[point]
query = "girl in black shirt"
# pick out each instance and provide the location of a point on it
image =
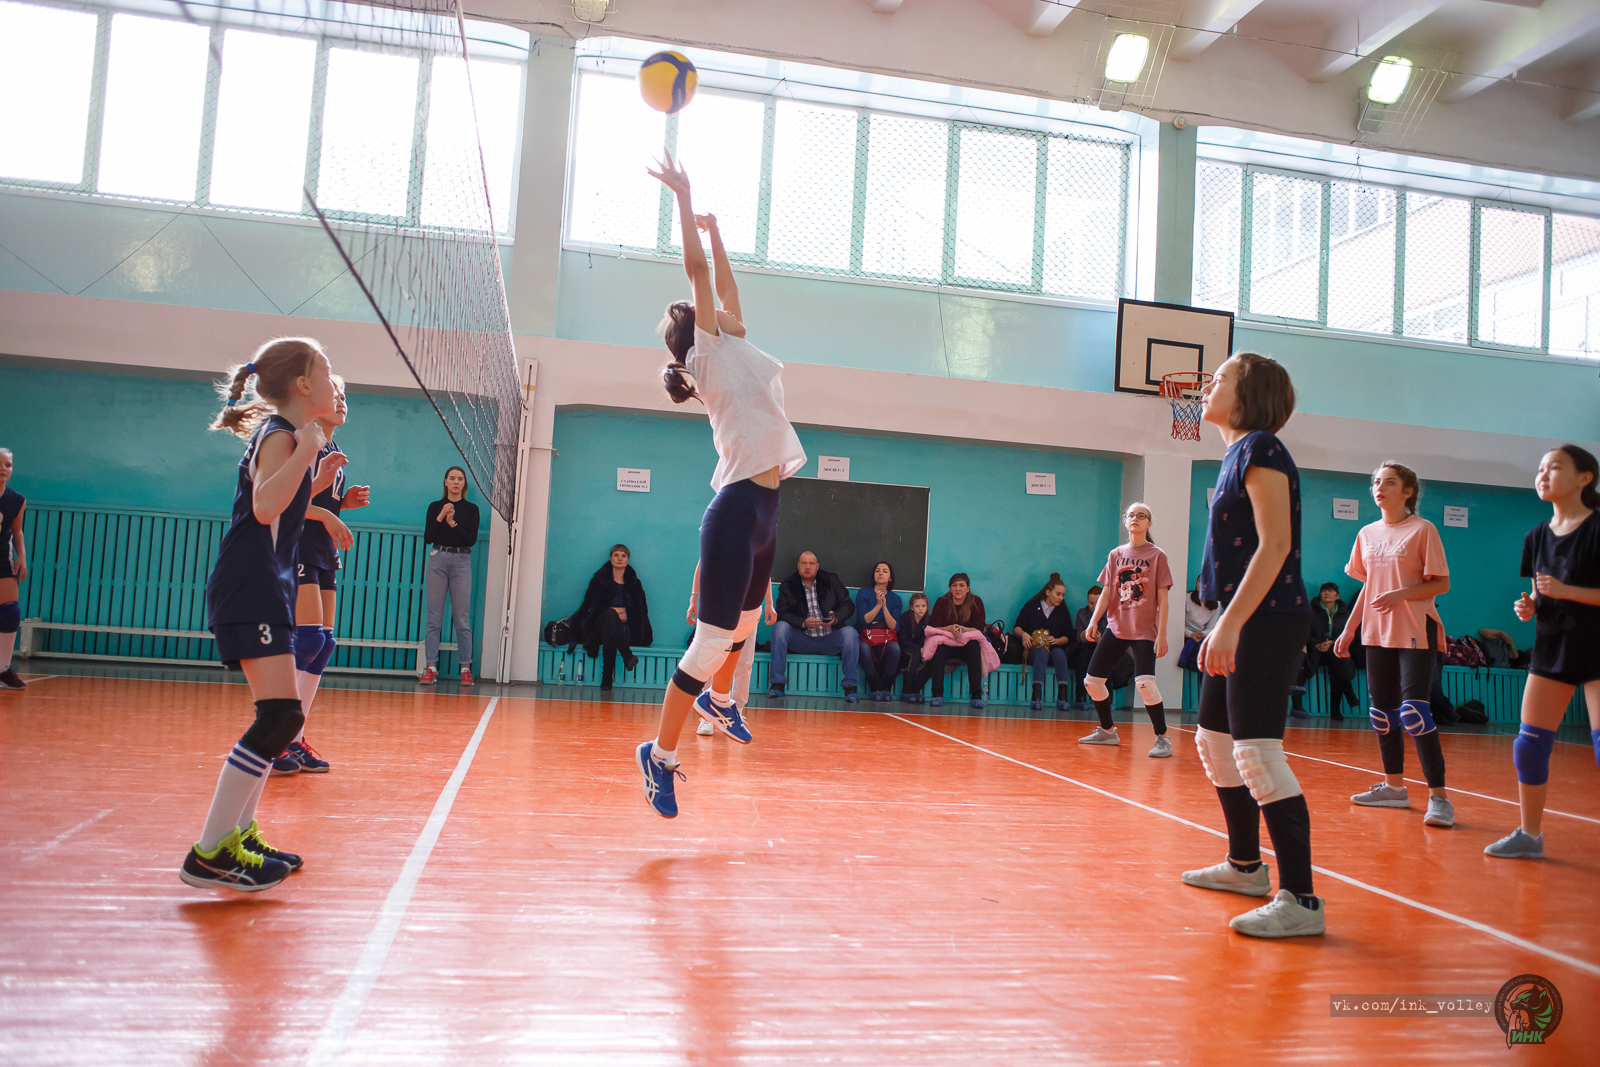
(1562, 557)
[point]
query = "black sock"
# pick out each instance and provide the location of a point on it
(1245, 868)
(1431, 756)
(1102, 708)
(1158, 717)
(1289, 825)
(1309, 900)
(1243, 816)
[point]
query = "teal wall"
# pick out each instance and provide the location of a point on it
(134, 441)
(1484, 558)
(980, 520)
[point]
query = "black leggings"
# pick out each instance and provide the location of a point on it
(1249, 704)
(738, 539)
(1395, 675)
(1109, 651)
(972, 653)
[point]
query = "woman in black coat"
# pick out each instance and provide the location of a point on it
(614, 616)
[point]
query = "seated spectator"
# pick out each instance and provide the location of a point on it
(878, 611)
(1047, 617)
(1329, 615)
(956, 633)
(813, 607)
(1500, 649)
(1199, 616)
(614, 616)
(913, 631)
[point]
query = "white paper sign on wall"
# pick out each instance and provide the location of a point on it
(1347, 509)
(633, 480)
(1455, 516)
(834, 468)
(1211, 492)
(1040, 484)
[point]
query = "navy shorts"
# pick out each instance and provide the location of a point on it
(252, 640)
(5, 561)
(322, 578)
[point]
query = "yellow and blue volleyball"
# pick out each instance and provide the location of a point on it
(667, 81)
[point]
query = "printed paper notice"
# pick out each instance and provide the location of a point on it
(633, 480)
(1041, 484)
(1347, 509)
(1209, 494)
(834, 468)
(1455, 516)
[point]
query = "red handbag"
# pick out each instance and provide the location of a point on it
(877, 637)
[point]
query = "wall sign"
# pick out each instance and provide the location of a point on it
(1455, 516)
(834, 468)
(1040, 484)
(633, 480)
(1347, 509)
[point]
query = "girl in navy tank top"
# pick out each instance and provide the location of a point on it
(251, 594)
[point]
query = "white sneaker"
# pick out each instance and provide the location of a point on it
(1101, 736)
(1383, 795)
(1440, 813)
(705, 729)
(1227, 877)
(1161, 748)
(1282, 916)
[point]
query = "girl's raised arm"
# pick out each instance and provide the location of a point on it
(694, 256)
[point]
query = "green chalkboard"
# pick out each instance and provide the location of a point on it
(851, 526)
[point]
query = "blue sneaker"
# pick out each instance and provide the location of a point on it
(727, 719)
(232, 866)
(310, 759)
(936, 702)
(285, 765)
(850, 696)
(252, 840)
(975, 702)
(658, 782)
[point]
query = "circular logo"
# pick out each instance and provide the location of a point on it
(1528, 1009)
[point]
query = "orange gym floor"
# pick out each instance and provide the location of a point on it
(484, 884)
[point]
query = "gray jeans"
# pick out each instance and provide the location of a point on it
(449, 572)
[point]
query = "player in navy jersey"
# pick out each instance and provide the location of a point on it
(1562, 558)
(1251, 656)
(322, 538)
(13, 569)
(250, 597)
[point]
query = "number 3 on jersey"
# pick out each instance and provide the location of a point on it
(266, 634)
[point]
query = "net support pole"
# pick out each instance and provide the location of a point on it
(513, 573)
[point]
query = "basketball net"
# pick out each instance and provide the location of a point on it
(1185, 389)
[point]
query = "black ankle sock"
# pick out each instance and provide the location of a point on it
(1244, 868)
(1309, 901)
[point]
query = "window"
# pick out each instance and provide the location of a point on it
(854, 191)
(1314, 251)
(245, 116)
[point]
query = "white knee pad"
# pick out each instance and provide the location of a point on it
(741, 673)
(707, 651)
(1146, 685)
(1096, 688)
(1216, 756)
(1265, 770)
(747, 624)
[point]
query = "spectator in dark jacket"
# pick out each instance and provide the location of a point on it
(1329, 615)
(1082, 650)
(912, 632)
(1047, 611)
(614, 616)
(813, 607)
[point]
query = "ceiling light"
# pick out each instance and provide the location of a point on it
(1125, 60)
(1389, 80)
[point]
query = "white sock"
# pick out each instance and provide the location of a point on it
(305, 685)
(248, 814)
(242, 776)
(7, 643)
(721, 700)
(669, 757)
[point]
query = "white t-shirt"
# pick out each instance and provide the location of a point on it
(742, 388)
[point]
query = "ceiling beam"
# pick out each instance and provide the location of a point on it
(1583, 103)
(1364, 31)
(1203, 21)
(884, 7)
(1528, 38)
(1045, 15)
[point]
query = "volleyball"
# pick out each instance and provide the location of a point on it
(667, 81)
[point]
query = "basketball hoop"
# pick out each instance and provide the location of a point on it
(1185, 390)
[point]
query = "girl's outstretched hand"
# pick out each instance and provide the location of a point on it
(707, 222)
(671, 175)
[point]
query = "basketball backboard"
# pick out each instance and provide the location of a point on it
(1156, 339)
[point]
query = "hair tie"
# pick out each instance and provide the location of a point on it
(232, 401)
(250, 368)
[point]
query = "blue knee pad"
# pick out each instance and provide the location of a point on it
(1530, 753)
(1380, 720)
(308, 641)
(1594, 735)
(319, 662)
(1417, 717)
(10, 617)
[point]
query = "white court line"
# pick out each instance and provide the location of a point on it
(1473, 924)
(56, 840)
(1417, 781)
(347, 1009)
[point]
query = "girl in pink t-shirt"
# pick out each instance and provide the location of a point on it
(1401, 562)
(1136, 578)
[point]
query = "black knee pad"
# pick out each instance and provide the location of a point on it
(277, 723)
(10, 617)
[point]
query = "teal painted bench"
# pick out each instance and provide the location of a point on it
(808, 675)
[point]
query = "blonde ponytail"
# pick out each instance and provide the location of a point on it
(275, 367)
